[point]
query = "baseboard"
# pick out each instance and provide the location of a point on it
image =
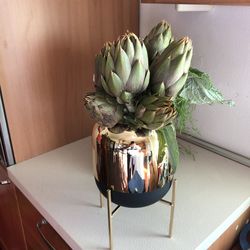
(216, 149)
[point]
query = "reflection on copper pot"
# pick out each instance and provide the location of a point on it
(127, 162)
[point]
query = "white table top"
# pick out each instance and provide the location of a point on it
(211, 193)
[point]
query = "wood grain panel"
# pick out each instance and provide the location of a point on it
(47, 51)
(30, 217)
(215, 2)
(228, 238)
(11, 230)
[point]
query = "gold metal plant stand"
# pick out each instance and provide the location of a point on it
(111, 213)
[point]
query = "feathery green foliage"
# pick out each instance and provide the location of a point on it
(184, 110)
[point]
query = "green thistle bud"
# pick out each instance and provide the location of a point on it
(104, 109)
(122, 68)
(171, 67)
(155, 112)
(158, 39)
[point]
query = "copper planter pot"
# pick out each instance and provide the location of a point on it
(129, 166)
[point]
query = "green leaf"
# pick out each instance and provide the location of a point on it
(162, 145)
(184, 110)
(170, 138)
(199, 89)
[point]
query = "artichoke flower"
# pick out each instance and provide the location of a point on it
(169, 70)
(155, 112)
(100, 64)
(104, 109)
(122, 68)
(158, 39)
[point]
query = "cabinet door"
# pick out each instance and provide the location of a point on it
(36, 237)
(11, 232)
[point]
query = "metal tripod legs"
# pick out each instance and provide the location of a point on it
(111, 213)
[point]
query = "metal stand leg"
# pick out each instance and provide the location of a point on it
(111, 213)
(171, 223)
(110, 219)
(101, 200)
(172, 207)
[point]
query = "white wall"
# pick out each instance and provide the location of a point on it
(221, 40)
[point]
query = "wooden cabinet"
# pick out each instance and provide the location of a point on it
(20, 222)
(33, 223)
(11, 232)
(228, 240)
(47, 51)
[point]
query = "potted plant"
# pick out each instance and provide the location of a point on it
(144, 92)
